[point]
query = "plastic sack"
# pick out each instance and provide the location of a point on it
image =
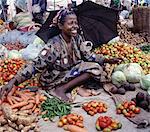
(114, 40)
(3, 52)
(14, 54)
(10, 37)
(124, 14)
(27, 38)
(133, 72)
(31, 51)
(24, 38)
(118, 78)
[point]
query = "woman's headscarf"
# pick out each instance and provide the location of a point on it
(61, 15)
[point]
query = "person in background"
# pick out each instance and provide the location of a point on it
(38, 9)
(22, 21)
(65, 62)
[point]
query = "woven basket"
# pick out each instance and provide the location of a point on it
(141, 19)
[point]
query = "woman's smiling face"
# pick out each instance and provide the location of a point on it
(70, 25)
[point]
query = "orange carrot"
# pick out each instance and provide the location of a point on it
(9, 99)
(13, 100)
(29, 93)
(1, 112)
(22, 95)
(34, 107)
(37, 99)
(17, 98)
(42, 98)
(15, 110)
(27, 107)
(0, 101)
(12, 91)
(37, 111)
(32, 101)
(18, 105)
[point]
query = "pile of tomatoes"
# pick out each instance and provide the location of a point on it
(107, 124)
(94, 107)
(9, 68)
(71, 119)
(128, 109)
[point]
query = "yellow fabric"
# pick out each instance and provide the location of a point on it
(1, 22)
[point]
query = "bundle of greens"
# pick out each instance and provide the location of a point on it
(53, 107)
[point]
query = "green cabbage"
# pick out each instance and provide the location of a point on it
(120, 67)
(133, 72)
(145, 82)
(118, 78)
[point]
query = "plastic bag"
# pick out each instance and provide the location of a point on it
(3, 52)
(14, 54)
(31, 51)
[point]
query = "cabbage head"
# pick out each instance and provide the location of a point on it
(118, 78)
(133, 72)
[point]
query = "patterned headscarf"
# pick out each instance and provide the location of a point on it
(62, 15)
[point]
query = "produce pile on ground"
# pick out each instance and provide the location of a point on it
(142, 100)
(127, 36)
(94, 107)
(54, 107)
(9, 68)
(71, 119)
(128, 53)
(12, 121)
(107, 124)
(24, 100)
(128, 109)
(14, 46)
(19, 110)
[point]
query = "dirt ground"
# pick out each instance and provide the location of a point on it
(89, 121)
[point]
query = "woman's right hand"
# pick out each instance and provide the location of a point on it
(4, 90)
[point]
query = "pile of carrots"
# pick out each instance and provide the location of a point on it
(24, 101)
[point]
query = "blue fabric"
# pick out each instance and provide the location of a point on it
(41, 3)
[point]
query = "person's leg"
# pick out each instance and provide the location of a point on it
(61, 90)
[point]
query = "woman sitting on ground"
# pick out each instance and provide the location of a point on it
(65, 62)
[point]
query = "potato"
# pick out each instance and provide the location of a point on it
(27, 128)
(2, 129)
(3, 121)
(26, 120)
(13, 125)
(8, 113)
(21, 127)
(22, 113)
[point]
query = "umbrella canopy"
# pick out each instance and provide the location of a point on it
(98, 23)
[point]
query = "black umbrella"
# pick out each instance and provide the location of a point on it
(98, 23)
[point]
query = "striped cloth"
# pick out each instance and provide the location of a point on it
(22, 20)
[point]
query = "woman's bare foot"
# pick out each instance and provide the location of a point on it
(61, 94)
(84, 92)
